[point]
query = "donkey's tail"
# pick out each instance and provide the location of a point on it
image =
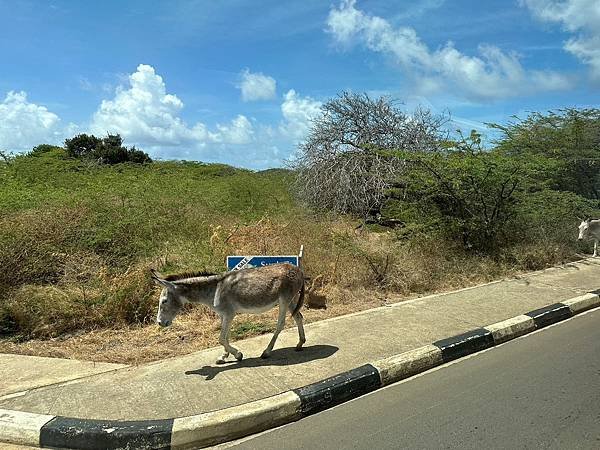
(300, 301)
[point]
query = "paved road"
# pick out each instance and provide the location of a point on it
(540, 391)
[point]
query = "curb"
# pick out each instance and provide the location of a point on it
(231, 423)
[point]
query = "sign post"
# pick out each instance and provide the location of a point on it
(249, 261)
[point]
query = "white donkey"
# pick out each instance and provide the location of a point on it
(253, 290)
(590, 229)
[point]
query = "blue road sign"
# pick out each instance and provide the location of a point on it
(246, 262)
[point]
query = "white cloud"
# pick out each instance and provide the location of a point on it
(239, 131)
(298, 112)
(576, 16)
(490, 75)
(256, 86)
(588, 50)
(146, 115)
(24, 125)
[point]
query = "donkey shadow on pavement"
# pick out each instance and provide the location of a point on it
(279, 357)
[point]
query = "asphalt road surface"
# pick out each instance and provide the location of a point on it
(539, 391)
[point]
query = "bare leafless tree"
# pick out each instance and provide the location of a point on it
(342, 165)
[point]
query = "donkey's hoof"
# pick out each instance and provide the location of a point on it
(220, 361)
(265, 354)
(239, 356)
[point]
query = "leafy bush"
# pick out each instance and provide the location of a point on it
(108, 150)
(82, 146)
(482, 198)
(570, 137)
(47, 149)
(137, 156)
(552, 216)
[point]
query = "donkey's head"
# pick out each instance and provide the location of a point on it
(584, 229)
(170, 301)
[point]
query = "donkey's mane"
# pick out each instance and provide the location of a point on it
(184, 275)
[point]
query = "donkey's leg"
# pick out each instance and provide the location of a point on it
(300, 324)
(280, 325)
(226, 319)
(222, 359)
(595, 248)
(224, 338)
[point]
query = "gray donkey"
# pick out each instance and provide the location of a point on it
(252, 291)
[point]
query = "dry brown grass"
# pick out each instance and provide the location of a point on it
(34, 243)
(195, 330)
(344, 278)
(86, 297)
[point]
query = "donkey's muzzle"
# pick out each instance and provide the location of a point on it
(163, 323)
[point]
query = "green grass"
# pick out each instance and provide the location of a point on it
(126, 212)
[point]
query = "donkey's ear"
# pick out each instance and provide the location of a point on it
(158, 278)
(156, 274)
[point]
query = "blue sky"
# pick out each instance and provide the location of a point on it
(238, 81)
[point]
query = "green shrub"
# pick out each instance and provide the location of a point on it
(552, 217)
(488, 200)
(47, 150)
(570, 137)
(108, 150)
(82, 146)
(470, 193)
